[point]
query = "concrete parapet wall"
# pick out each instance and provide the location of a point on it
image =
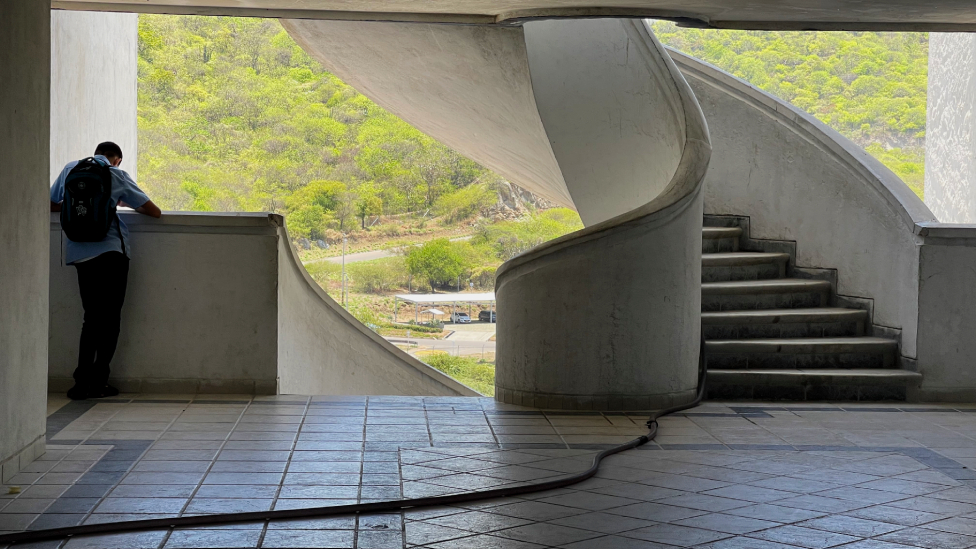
(200, 311)
(220, 303)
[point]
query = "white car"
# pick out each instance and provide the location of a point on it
(461, 318)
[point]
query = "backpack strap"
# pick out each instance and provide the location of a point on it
(118, 223)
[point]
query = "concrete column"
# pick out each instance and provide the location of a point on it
(93, 85)
(25, 56)
(950, 132)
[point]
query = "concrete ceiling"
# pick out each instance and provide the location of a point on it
(895, 15)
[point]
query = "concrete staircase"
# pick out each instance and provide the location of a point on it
(775, 332)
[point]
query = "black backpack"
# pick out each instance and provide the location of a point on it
(88, 210)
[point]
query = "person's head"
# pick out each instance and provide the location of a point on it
(110, 151)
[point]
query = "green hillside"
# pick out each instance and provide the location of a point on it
(233, 115)
(869, 86)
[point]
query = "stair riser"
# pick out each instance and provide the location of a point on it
(726, 391)
(783, 330)
(750, 302)
(774, 361)
(719, 245)
(727, 273)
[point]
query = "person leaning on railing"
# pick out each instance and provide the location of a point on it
(87, 193)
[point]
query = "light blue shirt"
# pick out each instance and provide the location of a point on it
(124, 189)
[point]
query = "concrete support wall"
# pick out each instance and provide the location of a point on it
(25, 51)
(950, 129)
(947, 312)
(93, 85)
(218, 303)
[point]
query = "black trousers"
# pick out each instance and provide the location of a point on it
(102, 281)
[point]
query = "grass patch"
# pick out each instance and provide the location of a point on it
(475, 373)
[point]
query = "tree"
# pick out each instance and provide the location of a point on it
(438, 261)
(368, 205)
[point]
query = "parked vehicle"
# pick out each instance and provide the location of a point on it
(487, 316)
(461, 318)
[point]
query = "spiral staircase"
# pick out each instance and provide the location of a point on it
(598, 116)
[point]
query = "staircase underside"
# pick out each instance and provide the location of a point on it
(771, 335)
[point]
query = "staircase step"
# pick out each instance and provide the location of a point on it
(801, 353)
(720, 239)
(782, 293)
(789, 323)
(819, 384)
(727, 266)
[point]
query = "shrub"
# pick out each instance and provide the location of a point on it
(464, 203)
(474, 373)
(438, 261)
(378, 276)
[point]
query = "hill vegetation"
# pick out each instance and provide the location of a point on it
(869, 86)
(233, 115)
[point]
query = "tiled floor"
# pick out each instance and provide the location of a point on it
(739, 476)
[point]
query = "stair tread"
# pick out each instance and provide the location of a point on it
(842, 372)
(773, 285)
(774, 316)
(825, 376)
(802, 344)
(743, 258)
(721, 232)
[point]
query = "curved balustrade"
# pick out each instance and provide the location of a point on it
(608, 317)
(799, 180)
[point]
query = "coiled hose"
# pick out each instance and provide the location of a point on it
(361, 508)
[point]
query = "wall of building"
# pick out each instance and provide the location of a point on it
(950, 130)
(25, 53)
(93, 85)
(200, 312)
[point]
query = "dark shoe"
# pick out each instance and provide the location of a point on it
(105, 391)
(78, 392)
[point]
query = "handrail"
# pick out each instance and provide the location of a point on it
(685, 183)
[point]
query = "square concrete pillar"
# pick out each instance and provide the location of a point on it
(25, 71)
(950, 132)
(94, 74)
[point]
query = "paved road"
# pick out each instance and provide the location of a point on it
(453, 347)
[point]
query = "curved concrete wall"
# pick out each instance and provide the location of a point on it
(614, 124)
(219, 303)
(799, 180)
(467, 86)
(609, 317)
(324, 350)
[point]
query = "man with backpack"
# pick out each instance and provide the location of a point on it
(87, 194)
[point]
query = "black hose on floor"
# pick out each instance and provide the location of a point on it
(360, 508)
